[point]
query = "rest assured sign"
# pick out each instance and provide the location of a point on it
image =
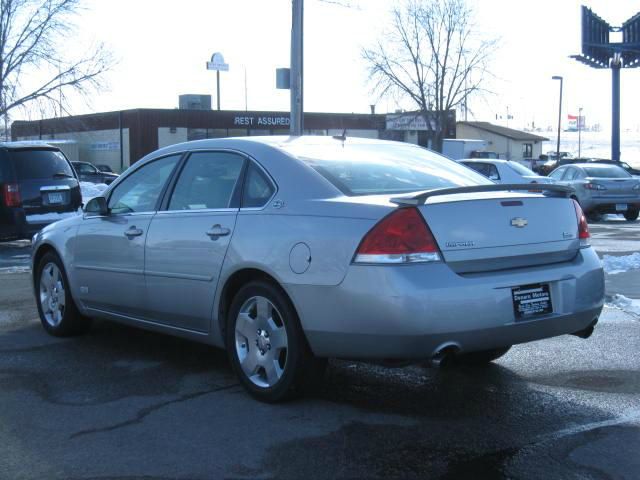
(261, 121)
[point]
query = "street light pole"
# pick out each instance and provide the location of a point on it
(296, 122)
(580, 132)
(558, 77)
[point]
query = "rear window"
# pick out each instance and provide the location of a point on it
(382, 169)
(606, 171)
(40, 164)
(520, 169)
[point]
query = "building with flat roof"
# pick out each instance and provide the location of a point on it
(508, 143)
(120, 138)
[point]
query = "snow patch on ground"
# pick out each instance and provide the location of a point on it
(91, 190)
(617, 264)
(50, 217)
(628, 305)
(20, 269)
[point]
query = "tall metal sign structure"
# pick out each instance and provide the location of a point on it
(599, 52)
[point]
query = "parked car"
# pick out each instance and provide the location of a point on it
(505, 171)
(601, 188)
(37, 186)
(550, 165)
(89, 173)
(105, 168)
(624, 165)
(483, 154)
(286, 251)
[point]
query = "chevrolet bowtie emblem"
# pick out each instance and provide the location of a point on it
(519, 222)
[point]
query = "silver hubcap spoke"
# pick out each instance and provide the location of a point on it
(261, 342)
(52, 294)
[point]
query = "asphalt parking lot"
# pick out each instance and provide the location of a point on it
(120, 403)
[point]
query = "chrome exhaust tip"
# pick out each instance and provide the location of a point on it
(587, 332)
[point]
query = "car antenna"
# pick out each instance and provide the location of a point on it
(342, 137)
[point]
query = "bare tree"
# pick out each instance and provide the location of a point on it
(431, 55)
(34, 70)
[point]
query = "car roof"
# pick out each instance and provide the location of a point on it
(484, 160)
(28, 145)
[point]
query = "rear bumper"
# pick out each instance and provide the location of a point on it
(608, 204)
(15, 226)
(414, 311)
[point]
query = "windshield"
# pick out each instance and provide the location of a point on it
(606, 171)
(30, 164)
(520, 169)
(384, 169)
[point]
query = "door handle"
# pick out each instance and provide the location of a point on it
(133, 232)
(217, 231)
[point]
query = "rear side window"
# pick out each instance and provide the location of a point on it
(207, 181)
(257, 188)
(612, 171)
(372, 169)
(571, 174)
(40, 164)
(557, 174)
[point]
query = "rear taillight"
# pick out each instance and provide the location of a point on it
(594, 186)
(11, 195)
(401, 237)
(583, 227)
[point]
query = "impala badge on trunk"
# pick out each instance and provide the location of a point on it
(519, 222)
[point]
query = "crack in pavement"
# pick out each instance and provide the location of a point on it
(143, 413)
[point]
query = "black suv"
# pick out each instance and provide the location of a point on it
(89, 173)
(37, 184)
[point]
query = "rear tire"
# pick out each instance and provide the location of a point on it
(631, 215)
(483, 357)
(266, 345)
(58, 312)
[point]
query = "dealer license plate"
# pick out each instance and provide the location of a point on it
(55, 197)
(531, 300)
(621, 207)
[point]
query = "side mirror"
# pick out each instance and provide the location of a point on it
(97, 206)
(493, 176)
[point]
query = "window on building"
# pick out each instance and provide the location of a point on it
(527, 150)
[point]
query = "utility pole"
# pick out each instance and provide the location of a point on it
(558, 77)
(296, 122)
(580, 132)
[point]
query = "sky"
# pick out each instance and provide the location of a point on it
(162, 47)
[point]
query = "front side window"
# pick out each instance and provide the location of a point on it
(527, 150)
(141, 190)
(207, 181)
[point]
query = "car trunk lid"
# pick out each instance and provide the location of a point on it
(489, 230)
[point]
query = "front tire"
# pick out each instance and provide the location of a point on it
(58, 312)
(483, 357)
(266, 346)
(631, 215)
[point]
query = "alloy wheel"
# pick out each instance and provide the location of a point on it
(52, 294)
(261, 342)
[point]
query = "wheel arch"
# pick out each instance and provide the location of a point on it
(233, 284)
(37, 255)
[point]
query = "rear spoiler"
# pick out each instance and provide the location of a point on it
(551, 190)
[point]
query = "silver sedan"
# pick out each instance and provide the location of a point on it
(601, 188)
(287, 251)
